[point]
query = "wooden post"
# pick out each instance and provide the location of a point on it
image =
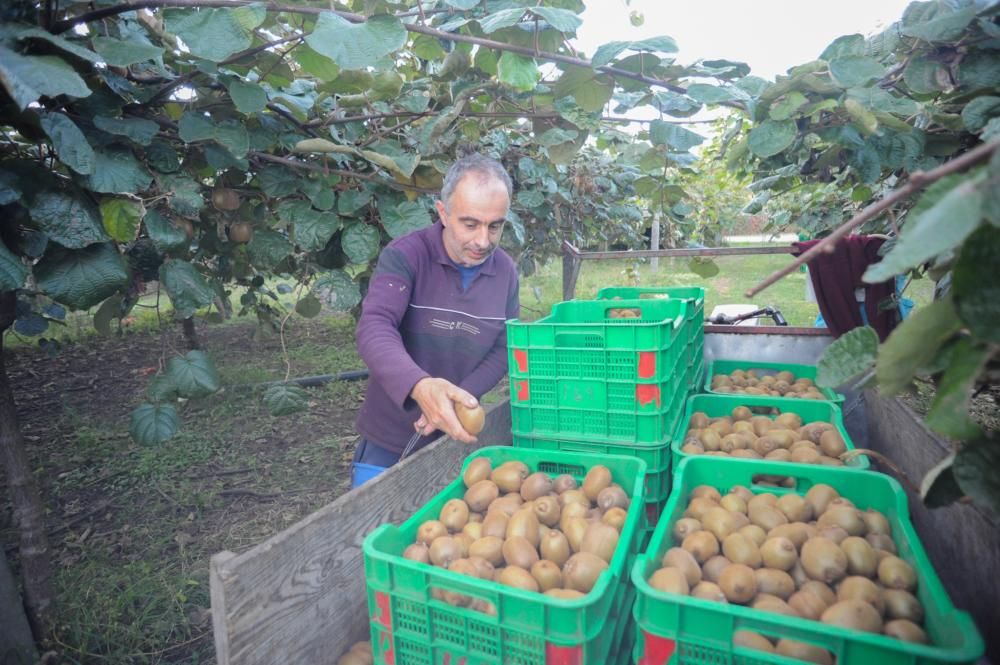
(654, 241)
(299, 597)
(570, 270)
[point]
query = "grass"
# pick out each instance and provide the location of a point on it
(736, 274)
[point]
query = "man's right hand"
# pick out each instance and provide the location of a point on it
(436, 398)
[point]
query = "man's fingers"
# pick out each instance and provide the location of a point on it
(458, 395)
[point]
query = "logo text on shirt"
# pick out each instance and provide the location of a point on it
(455, 325)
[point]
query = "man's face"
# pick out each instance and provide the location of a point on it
(473, 220)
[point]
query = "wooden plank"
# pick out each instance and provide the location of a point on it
(961, 540)
(299, 597)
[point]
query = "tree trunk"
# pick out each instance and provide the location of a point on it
(36, 570)
(654, 241)
(16, 643)
(190, 334)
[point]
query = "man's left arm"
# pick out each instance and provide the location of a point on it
(493, 367)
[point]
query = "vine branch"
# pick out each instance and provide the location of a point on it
(309, 166)
(918, 180)
(67, 24)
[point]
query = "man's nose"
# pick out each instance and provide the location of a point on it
(483, 236)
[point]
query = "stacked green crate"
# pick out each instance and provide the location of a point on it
(587, 380)
(411, 624)
(684, 630)
(694, 296)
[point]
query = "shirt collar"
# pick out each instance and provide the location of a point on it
(487, 267)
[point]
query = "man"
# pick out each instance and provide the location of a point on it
(432, 328)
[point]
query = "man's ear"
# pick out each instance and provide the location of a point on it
(439, 206)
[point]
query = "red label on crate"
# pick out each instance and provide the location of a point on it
(647, 364)
(384, 615)
(522, 391)
(658, 650)
(385, 646)
(461, 661)
(563, 655)
(521, 357)
(646, 394)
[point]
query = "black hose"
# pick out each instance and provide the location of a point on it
(310, 381)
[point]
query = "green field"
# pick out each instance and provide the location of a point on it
(737, 274)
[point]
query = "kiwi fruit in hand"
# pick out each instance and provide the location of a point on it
(472, 419)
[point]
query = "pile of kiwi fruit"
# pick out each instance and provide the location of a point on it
(781, 384)
(782, 438)
(525, 530)
(816, 556)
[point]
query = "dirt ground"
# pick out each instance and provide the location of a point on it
(133, 528)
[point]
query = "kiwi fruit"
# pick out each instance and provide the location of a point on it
(861, 559)
(597, 478)
(612, 497)
(508, 504)
(895, 573)
(754, 533)
(523, 523)
(615, 517)
(788, 421)
(876, 522)
(473, 530)
(775, 582)
(702, 545)
(547, 510)
(765, 499)
(770, 603)
(564, 594)
(517, 551)
(906, 630)
(804, 456)
(832, 444)
(900, 604)
(684, 527)
(670, 580)
(555, 547)
(823, 560)
(819, 496)
(810, 653)
(478, 469)
(881, 542)
(481, 494)
(761, 425)
(807, 604)
(861, 588)
(710, 439)
(677, 557)
(571, 510)
(600, 539)
(698, 506)
(574, 496)
(489, 548)
(431, 530)
(797, 532)
(536, 485)
(705, 492)
(473, 419)
(547, 574)
(574, 528)
(846, 517)
(484, 569)
(765, 516)
(734, 503)
(853, 614)
(563, 483)
(417, 552)
(495, 524)
(509, 476)
(454, 514)
(738, 583)
(444, 550)
(779, 553)
(740, 549)
(712, 568)
(708, 591)
(833, 532)
(698, 420)
(752, 640)
(464, 542)
(582, 570)
(517, 577)
(779, 455)
(719, 521)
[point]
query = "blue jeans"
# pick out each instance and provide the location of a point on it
(370, 459)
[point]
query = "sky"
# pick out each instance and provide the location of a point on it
(769, 35)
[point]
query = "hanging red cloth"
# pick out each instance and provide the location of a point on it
(836, 275)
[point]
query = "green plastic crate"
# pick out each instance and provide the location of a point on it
(699, 632)
(624, 412)
(409, 627)
(762, 368)
(715, 405)
(693, 295)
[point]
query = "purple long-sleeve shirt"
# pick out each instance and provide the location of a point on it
(417, 321)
